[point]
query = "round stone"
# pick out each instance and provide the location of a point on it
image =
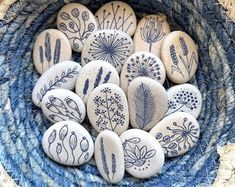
(147, 102)
(179, 54)
(184, 98)
(107, 109)
(112, 46)
(61, 105)
(68, 143)
(92, 75)
(62, 75)
(51, 47)
(77, 22)
(109, 156)
(177, 133)
(116, 15)
(142, 64)
(150, 33)
(143, 154)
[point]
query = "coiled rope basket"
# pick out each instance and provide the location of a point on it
(22, 124)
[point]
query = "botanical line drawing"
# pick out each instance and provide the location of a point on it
(103, 158)
(114, 165)
(51, 139)
(84, 145)
(62, 135)
(58, 150)
(145, 105)
(73, 144)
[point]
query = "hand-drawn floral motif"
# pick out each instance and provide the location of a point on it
(62, 135)
(84, 146)
(58, 150)
(51, 139)
(73, 144)
(114, 164)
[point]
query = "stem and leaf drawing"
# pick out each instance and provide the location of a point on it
(84, 146)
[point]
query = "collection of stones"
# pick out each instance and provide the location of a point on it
(118, 82)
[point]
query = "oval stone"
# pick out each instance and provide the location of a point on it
(147, 102)
(51, 47)
(62, 75)
(179, 54)
(112, 46)
(77, 22)
(143, 154)
(61, 105)
(150, 33)
(177, 133)
(184, 98)
(116, 15)
(142, 64)
(107, 109)
(109, 156)
(68, 143)
(92, 75)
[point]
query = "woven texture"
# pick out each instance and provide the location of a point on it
(22, 124)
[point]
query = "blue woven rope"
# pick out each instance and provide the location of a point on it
(22, 124)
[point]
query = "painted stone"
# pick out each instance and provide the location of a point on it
(109, 45)
(179, 54)
(92, 75)
(61, 105)
(77, 22)
(184, 98)
(177, 133)
(116, 15)
(51, 47)
(143, 155)
(142, 64)
(107, 108)
(62, 75)
(147, 103)
(150, 33)
(109, 156)
(68, 143)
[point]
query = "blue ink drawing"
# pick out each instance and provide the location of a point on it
(58, 150)
(145, 105)
(51, 139)
(114, 165)
(84, 146)
(73, 144)
(85, 88)
(103, 158)
(98, 77)
(62, 135)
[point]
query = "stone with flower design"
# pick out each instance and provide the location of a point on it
(184, 98)
(142, 64)
(107, 108)
(147, 102)
(77, 22)
(179, 54)
(109, 156)
(92, 75)
(143, 155)
(150, 33)
(177, 133)
(60, 105)
(68, 143)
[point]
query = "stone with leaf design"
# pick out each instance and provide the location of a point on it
(78, 23)
(92, 75)
(150, 33)
(143, 155)
(62, 75)
(177, 133)
(68, 143)
(60, 105)
(107, 109)
(109, 156)
(51, 47)
(147, 102)
(179, 54)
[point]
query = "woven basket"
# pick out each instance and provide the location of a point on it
(22, 124)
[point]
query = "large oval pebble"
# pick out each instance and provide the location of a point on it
(116, 15)
(177, 133)
(77, 22)
(51, 47)
(107, 108)
(184, 98)
(60, 105)
(143, 154)
(109, 156)
(109, 45)
(62, 75)
(68, 143)
(179, 54)
(92, 75)
(142, 64)
(147, 102)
